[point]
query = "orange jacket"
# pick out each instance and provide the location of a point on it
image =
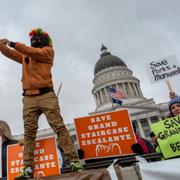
(36, 65)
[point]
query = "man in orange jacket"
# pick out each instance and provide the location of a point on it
(38, 96)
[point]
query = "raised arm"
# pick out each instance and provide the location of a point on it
(45, 54)
(10, 53)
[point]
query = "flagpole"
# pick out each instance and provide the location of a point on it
(59, 89)
(112, 104)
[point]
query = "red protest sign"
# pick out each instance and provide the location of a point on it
(104, 135)
(45, 158)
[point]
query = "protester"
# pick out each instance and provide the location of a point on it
(155, 142)
(142, 146)
(174, 106)
(39, 97)
(5, 133)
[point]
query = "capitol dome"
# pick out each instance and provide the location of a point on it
(107, 60)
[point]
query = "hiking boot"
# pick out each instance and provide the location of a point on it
(26, 174)
(76, 166)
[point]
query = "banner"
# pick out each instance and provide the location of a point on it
(168, 132)
(163, 69)
(45, 159)
(105, 135)
(161, 170)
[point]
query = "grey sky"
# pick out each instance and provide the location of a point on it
(136, 31)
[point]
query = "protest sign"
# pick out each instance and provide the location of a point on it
(106, 134)
(45, 158)
(168, 132)
(163, 69)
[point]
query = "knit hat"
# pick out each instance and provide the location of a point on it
(173, 101)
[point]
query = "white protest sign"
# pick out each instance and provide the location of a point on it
(163, 69)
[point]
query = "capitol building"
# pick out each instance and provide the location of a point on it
(111, 71)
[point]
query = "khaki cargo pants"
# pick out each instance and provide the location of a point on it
(48, 104)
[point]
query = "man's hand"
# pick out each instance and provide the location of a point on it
(5, 41)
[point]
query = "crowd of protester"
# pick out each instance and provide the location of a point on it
(142, 145)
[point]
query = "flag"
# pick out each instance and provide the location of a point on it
(116, 93)
(117, 101)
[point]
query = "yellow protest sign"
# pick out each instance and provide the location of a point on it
(168, 132)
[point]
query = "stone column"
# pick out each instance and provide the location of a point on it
(131, 92)
(134, 85)
(140, 90)
(117, 86)
(101, 96)
(106, 94)
(141, 132)
(120, 87)
(149, 121)
(98, 98)
(137, 87)
(124, 89)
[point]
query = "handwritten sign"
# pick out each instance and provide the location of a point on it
(45, 159)
(163, 69)
(168, 132)
(106, 134)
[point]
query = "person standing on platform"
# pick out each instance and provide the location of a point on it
(38, 96)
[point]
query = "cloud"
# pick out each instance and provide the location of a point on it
(136, 32)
